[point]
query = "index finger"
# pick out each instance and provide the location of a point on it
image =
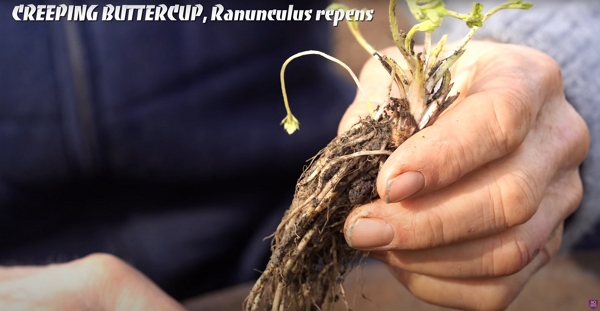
(503, 97)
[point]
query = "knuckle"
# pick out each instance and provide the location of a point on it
(457, 158)
(553, 245)
(548, 64)
(568, 133)
(546, 70)
(510, 122)
(453, 160)
(579, 138)
(103, 260)
(505, 257)
(430, 231)
(103, 265)
(552, 73)
(577, 193)
(425, 230)
(517, 258)
(574, 196)
(518, 198)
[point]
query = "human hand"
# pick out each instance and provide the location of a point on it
(481, 195)
(96, 282)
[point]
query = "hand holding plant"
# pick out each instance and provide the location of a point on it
(472, 173)
(498, 176)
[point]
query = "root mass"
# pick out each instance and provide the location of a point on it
(310, 256)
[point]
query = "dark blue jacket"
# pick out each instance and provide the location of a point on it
(158, 142)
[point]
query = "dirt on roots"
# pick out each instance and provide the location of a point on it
(310, 256)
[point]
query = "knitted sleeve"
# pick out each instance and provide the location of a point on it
(569, 32)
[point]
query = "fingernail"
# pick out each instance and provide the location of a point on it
(404, 186)
(367, 233)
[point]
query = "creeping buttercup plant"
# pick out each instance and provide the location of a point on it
(310, 256)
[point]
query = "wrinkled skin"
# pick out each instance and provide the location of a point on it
(499, 176)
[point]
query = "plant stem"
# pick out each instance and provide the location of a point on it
(426, 50)
(290, 123)
(398, 38)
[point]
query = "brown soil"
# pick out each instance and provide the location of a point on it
(310, 255)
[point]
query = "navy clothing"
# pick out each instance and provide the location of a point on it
(158, 142)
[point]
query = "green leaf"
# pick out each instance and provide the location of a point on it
(427, 10)
(518, 4)
(512, 4)
(475, 19)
